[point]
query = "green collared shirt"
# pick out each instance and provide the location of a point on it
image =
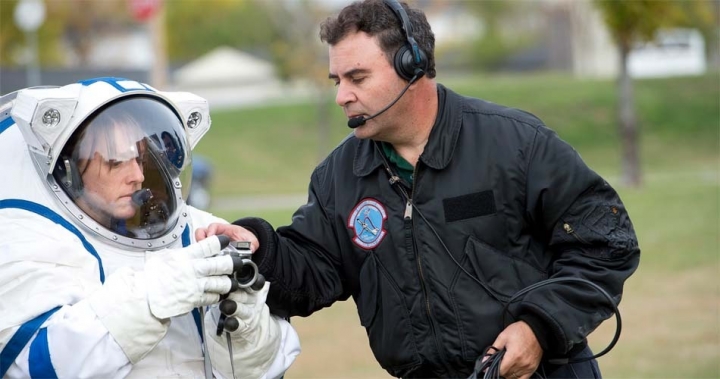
(404, 169)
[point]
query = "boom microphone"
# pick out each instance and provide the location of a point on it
(140, 197)
(360, 120)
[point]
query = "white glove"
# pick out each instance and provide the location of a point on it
(256, 340)
(135, 306)
(181, 280)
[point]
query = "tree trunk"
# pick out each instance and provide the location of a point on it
(629, 133)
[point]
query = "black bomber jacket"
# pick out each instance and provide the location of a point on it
(500, 203)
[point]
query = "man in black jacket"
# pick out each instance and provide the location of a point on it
(437, 210)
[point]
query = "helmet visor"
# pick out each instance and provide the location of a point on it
(124, 166)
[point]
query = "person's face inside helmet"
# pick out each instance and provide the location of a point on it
(113, 173)
(116, 170)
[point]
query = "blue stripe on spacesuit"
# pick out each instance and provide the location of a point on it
(6, 123)
(113, 82)
(20, 339)
(186, 236)
(56, 218)
(38, 350)
(39, 361)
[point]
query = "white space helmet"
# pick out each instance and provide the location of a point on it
(116, 153)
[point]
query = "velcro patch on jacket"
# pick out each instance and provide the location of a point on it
(469, 206)
(367, 220)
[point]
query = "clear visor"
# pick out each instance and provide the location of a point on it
(124, 165)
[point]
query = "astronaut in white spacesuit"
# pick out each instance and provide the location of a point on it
(100, 272)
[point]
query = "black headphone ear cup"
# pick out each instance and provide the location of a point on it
(405, 63)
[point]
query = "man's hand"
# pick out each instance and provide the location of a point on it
(236, 233)
(523, 352)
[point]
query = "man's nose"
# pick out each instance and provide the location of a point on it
(344, 95)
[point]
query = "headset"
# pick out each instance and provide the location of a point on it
(409, 61)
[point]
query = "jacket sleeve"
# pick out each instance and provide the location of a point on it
(301, 260)
(590, 236)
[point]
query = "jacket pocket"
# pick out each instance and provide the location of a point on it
(386, 318)
(478, 301)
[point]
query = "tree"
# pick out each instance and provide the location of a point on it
(68, 24)
(197, 27)
(299, 54)
(498, 40)
(629, 23)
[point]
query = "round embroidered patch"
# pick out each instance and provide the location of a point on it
(367, 220)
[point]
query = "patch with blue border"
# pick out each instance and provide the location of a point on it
(367, 220)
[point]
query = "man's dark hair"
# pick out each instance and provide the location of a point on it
(375, 18)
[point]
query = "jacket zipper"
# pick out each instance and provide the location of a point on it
(409, 225)
(569, 230)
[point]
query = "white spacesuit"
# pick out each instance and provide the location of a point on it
(100, 273)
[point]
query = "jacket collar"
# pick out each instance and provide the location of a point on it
(441, 143)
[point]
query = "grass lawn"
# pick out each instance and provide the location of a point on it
(670, 309)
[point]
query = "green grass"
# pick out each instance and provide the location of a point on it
(670, 306)
(274, 217)
(266, 150)
(676, 220)
(584, 112)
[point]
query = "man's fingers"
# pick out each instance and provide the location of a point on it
(506, 367)
(212, 229)
(201, 234)
(235, 232)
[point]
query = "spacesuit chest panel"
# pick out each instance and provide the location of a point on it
(51, 215)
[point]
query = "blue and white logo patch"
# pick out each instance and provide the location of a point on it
(368, 220)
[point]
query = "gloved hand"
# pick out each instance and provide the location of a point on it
(243, 309)
(255, 336)
(135, 306)
(181, 280)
